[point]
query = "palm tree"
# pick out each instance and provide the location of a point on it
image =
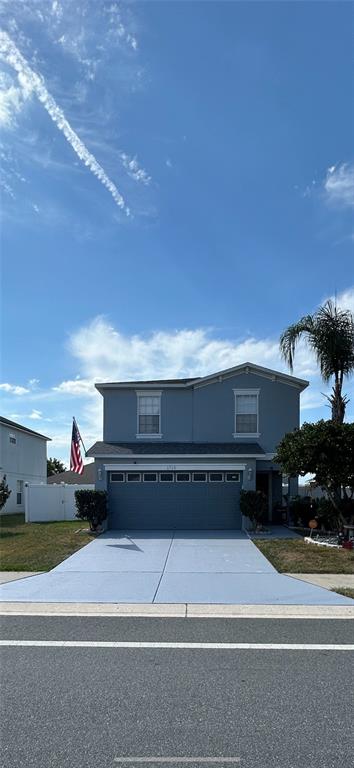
(330, 334)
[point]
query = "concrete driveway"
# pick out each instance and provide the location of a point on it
(169, 567)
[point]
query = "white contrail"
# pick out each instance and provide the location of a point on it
(32, 81)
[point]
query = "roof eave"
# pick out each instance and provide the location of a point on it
(13, 425)
(301, 384)
(286, 378)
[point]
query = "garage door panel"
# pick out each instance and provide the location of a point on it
(149, 506)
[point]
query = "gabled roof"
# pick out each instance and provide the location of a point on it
(236, 370)
(8, 423)
(72, 478)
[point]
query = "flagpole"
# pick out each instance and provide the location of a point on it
(78, 431)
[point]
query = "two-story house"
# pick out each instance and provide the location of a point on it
(176, 453)
(23, 459)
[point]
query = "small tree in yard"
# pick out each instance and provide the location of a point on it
(253, 504)
(54, 467)
(326, 450)
(91, 506)
(5, 492)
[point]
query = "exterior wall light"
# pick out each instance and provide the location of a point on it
(99, 474)
(249, 473)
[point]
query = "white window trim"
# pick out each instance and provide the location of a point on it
(246, 392)
(117, 472)
(151, 473)
(183, 472)
(200, 473)
(167, 473)
(133, 472)
(232, 481)
(147, 393)
(216, 472)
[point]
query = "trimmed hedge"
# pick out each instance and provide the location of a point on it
(91, 506)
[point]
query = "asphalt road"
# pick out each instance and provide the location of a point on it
(265, 708)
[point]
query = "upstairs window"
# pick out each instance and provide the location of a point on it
(246, 413)
(149, 414)
(12, 439)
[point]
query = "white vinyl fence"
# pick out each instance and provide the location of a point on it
(45, 503)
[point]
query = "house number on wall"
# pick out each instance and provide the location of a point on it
(171, 466)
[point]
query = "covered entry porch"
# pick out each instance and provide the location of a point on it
(270, 482)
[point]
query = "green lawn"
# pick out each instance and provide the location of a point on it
(295, 556)
(346, 591)
(37, 546)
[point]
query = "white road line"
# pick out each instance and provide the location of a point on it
(223, 760)
(178, 646)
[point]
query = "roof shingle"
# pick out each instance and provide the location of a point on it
(151, 448)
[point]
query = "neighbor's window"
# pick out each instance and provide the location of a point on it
(12, 439)
(149, 414)
(246, 412)
(19, 491)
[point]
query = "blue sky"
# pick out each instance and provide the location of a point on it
(177, 187)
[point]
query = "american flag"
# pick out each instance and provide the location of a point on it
(76, 463)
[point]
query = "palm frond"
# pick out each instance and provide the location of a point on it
(333, 341)
(292, 335)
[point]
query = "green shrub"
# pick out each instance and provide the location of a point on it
(5, 492)
(91, 506)
(302, 510)
(254, 505)
(326, 515)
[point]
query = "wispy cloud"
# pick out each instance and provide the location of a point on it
(14, 389)
(35, 415)
(76, 387)
(103, 353)
(12, 99)
(339, 185)
(118, 28)
(133, 169)
(34, 82)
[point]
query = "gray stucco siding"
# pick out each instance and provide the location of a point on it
(214, 409)
(120, 415)
(207, 413)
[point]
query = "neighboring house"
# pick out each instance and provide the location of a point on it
(88, 477)
(308, 489)
(176, 453)
(23, 459)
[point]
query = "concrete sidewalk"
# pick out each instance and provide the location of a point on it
(6, 576)
(326, 580)
(178, 610)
